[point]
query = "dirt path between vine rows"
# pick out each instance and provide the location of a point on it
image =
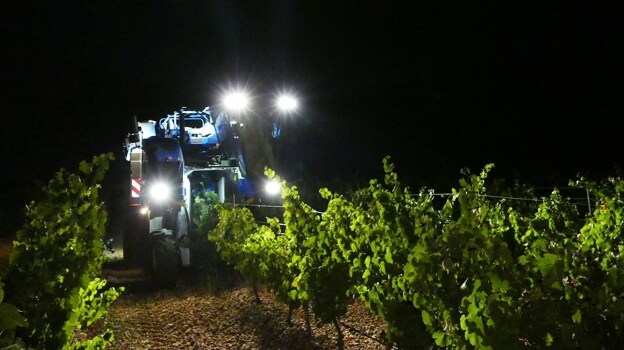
(193, 317)
(196, 319)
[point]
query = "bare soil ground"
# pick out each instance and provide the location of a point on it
(194, 318)
(198, 318)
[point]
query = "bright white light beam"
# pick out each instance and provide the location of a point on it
(287, 103)
(160, 192)
(273, 187)
(236, 101)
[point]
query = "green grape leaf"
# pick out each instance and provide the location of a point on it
(10, 317)
(549, 339)
(426, 317)
(84, 167)
(576, 318)
(388, 256)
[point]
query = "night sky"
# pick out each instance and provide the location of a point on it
(535, 89)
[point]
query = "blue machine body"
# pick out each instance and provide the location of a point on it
(189, 147)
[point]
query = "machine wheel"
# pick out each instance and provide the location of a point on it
(164, 261)
(135, 239)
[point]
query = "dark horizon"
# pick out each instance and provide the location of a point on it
(535, 89)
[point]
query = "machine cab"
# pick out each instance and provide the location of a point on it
(199, 127)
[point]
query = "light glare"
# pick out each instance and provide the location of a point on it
(273, 187)
(236, 101)
(287, 103)
(160, 192)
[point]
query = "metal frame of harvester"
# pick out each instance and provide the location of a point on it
(168, 159)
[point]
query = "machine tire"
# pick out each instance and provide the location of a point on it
(135, 238)
(164, 261)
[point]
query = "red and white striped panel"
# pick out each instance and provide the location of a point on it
(136, 188)
(135, 192)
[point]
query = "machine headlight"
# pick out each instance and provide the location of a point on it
(160, 192)
(273, 187)
(287, 103)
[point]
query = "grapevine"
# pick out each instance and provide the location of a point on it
(52, 275)
(472, 271)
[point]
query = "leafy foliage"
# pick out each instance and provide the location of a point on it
(93, 304)
(10, 319)
(230, 236)
(211, 268)
(205, 216)
(56, 258)
(474, 271)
